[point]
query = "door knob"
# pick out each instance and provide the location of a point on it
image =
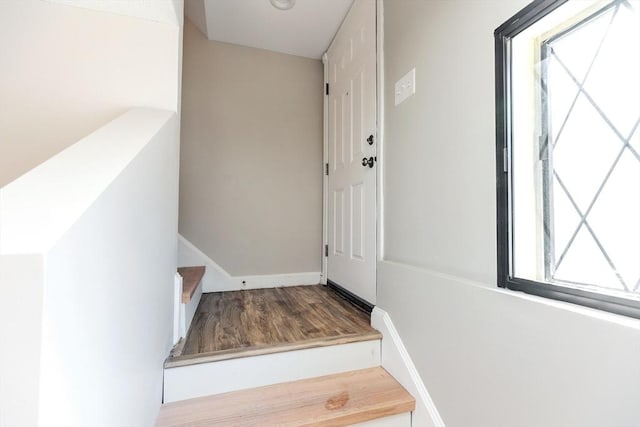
(368, 162)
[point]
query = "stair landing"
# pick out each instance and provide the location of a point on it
(334, 400)
(262, 321)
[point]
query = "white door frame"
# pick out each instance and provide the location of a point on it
(379, 214)
(325, 176)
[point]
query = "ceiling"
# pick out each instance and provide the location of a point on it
(305, 30)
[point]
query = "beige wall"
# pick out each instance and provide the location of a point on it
(251, 157)
(488, 357)
(67, 71)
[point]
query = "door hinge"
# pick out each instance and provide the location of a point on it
(326, 169)
(326, 250)
(505, 158)
(326, 88)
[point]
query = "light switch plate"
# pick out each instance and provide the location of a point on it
(405, 87)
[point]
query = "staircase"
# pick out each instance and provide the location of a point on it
(281, 357)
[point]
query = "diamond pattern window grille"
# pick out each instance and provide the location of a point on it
(591, 151)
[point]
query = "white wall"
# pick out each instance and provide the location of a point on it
(107, 319)
(68, 70)
(65, 72)
(488, 357)
(99, 288)
(251, 157)
(21, 278)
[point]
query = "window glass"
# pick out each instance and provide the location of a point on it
(569, 128)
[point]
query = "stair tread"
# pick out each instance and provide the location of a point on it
(333, 400)
(191, 277)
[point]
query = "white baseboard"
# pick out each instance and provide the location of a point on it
(216, 279)
(396, 360)
(186, 382)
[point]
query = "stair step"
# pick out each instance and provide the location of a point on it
(191, 277)
(333, 400)
(204, 379)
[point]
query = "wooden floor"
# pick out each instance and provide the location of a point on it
(253, 322)
(335, 400)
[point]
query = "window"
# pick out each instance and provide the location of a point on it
(568, 152)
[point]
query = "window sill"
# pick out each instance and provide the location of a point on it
(593, 313)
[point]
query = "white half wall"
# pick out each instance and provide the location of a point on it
(492, 358)
(216, 279)
(89, 319)
(39, 207)
(21, 281)
(108, 298)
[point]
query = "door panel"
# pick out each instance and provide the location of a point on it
(357, 233)
(338, 229)
(352, 185)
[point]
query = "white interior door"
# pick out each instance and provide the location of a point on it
(352, 153)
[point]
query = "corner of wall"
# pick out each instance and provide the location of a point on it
(216, 279)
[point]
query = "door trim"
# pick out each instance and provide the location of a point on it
(325, 160)
(380, 98)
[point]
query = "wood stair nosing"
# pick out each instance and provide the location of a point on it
(191, 277)
(333, 400)
(178, 360)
